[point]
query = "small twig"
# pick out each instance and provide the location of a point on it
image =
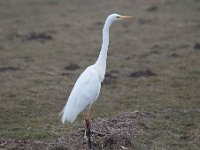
(123, 147)
(2, 144)
(81, 130)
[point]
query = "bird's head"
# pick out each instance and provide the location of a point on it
(115, 17)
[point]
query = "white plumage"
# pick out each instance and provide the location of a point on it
(87, 88)
(85, 92)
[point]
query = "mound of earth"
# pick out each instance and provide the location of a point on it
(117, 132)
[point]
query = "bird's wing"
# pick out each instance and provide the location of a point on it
(84, 93)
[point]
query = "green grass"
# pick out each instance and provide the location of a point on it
(171, 131)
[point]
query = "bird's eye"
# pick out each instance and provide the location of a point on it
(117, 17)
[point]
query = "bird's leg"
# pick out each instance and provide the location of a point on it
(88, 125)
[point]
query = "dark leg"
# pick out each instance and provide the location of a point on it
(87, 130)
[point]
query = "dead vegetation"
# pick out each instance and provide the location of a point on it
(117, 132)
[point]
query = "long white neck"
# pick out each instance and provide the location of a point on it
(101, 61)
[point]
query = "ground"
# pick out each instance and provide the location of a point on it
(150, 97)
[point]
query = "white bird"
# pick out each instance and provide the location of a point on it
(87, 88)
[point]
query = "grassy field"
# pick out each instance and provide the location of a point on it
(153, 66)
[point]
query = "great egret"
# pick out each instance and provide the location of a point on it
(87, 88)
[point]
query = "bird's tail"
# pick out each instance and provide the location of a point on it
(67, 115)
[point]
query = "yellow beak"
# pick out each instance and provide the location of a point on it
(127, 17)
